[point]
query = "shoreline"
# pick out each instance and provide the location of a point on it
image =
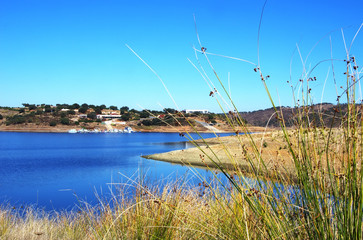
(278, 162)
(39, 130)
(162, 129)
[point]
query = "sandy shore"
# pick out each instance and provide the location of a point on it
(230, 153)
(236, 153)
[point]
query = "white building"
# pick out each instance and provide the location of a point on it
(113, 116)
(204, 111)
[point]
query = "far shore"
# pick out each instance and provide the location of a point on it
(60, 130)
(162, 129)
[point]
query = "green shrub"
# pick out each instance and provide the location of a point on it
(126, 116)
(92, 115)
(144, 114)
(146, 122)
(16, 119)
(65, 121)
(83, 109)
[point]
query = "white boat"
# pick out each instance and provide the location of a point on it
(115, 130)
(82, 130)
(128, 130)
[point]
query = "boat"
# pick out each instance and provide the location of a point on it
(128, 130)
(96, 130)
(82, 130)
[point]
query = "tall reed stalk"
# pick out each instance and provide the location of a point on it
(324, 200)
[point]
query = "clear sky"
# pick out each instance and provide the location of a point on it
(73, 51)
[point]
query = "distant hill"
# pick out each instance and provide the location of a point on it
(324, 111)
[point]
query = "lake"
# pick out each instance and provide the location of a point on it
(49, 170)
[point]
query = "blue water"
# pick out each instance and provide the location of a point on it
(55, 170)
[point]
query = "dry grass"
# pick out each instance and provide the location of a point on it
(177, 212)
(230, 152)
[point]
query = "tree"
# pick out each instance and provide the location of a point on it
(75, 106)
(63, 115)
(47, 108)
(126, 117)
(157, 121)
(16, 119)
(53, 123)
(124, 109)
(85, 105)
(62, 106)
(134, 111)
(97, 110)
(103, 106)
(65, 121)
(144, 114)
(146, 122)
(1, 117)
(113, 108)
(169, 110)
(83, 109)
(92, 115)
(32, 107)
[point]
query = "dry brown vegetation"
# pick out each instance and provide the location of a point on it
(231, 152)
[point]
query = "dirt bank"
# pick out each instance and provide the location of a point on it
(230, 153)
(236, 153)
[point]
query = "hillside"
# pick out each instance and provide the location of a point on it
(328, 113)
(63, 117)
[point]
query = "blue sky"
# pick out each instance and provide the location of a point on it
(73, 51)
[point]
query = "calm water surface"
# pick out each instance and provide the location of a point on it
(49, 169)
